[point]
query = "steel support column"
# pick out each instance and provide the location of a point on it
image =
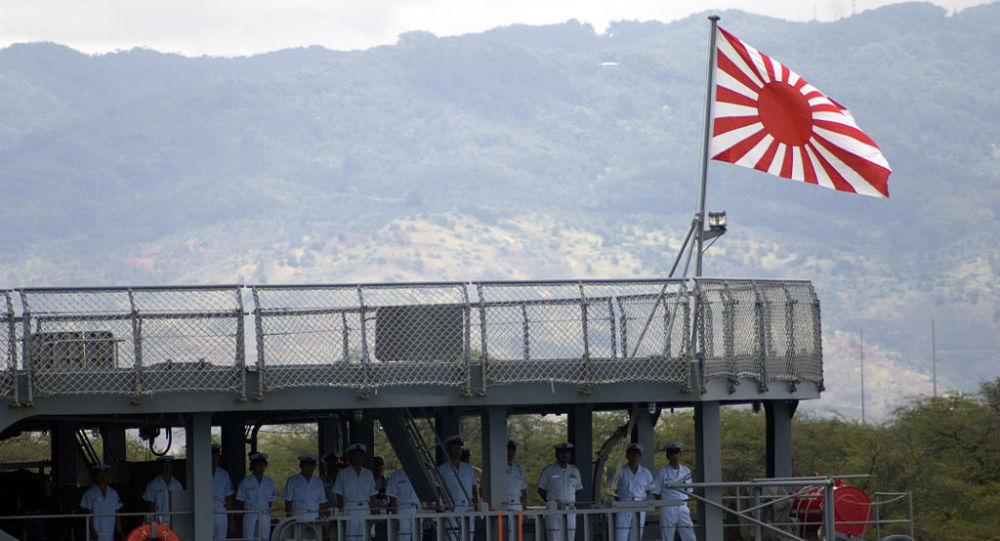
(644, 436)
(446, 423)
(779, 415)
(331, 437)
(234, 453)
(580, 430)
(198, 431)
(113, 438)
(708, 451)
(363, 431)
(65, 451)
(494, 429)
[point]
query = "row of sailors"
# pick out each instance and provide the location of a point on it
(354, 490)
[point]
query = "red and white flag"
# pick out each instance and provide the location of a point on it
(768, 118)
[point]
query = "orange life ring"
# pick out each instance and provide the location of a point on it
(145, 531)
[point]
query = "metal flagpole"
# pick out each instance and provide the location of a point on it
(709, 99)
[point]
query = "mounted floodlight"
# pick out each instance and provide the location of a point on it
(716, 225)
(717, 221)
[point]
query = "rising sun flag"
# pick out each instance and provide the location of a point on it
(768, 118)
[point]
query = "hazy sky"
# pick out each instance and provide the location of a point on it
(238, 27)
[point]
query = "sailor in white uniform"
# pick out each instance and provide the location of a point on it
(517, 485)
(674, 517)
(632, 484)
(460, 484)
(104, 502)
(255, 494)
(304, 495)
(222, 497)
(157, 493)
(404, 502)
(355, 490)
(558, 485)
(332, 464)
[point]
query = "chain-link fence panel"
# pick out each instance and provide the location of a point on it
(584, 333)
(191, 339)
(767, 331)
(778, 328)
(362, 337)
(731, 335)
(133, 341)
(803, 350)
(8, 347)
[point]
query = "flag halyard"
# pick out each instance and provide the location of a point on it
(766, 117)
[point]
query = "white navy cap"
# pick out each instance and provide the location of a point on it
(455, 439)
(635, 447)
(254, 457)
(512, 444)
(165, 458)
(356, 447)
(307, 458)
(675, 446)
(564, 446)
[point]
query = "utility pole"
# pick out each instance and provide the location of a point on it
(863, 375)
(933, 358)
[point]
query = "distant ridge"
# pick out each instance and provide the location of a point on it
(518, 153)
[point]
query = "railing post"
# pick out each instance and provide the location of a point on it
(756, 513)
(345, 347)
(817, 336)
(611, 329)
(467, 331)
(878, 517)
(728, 335)
(790, 369)
(259, 334)
(364, 345)
(623, 329)
(12, 348)
(27, 359)
(584, 306)
(696, 343)
(525, 332)
(909, 497)
(483, 355)
(137, 346)
(760, 316)
(828, 517)
(241, 354)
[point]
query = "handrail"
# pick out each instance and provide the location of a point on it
(575, 332)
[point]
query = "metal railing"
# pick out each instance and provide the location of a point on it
(136, 342)
(593, 520)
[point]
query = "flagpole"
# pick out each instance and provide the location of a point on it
(709, 94)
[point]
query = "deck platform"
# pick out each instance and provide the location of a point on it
(237, 356)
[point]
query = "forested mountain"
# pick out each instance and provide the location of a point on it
(522, 152)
